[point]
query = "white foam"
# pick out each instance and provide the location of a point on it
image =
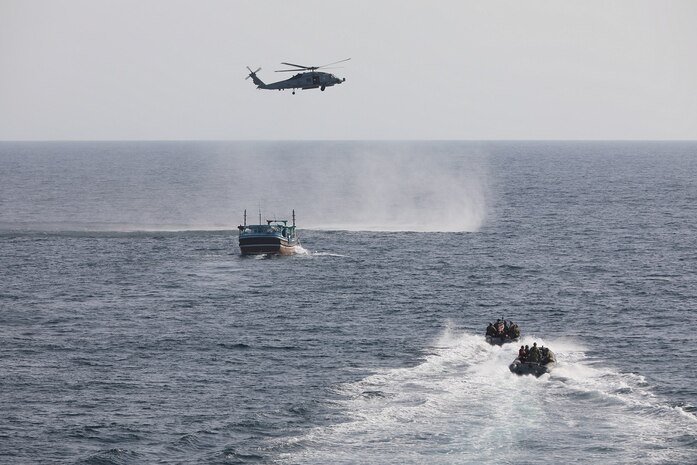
(300, 250)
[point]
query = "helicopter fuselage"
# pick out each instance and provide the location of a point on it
(308, 80)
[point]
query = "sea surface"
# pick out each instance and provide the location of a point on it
(133, 332)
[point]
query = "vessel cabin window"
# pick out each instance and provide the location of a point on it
(256, 229)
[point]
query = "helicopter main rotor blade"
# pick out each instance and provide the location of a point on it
(329, 64)
(307, 68)
(297, 66)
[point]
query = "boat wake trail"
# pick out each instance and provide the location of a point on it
(328, 254)
(462, 405)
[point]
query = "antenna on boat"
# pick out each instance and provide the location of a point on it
(259, 214)
(294, 217)
(245, 217)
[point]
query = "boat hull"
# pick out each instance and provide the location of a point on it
(500, 340)
(264, 245)
(536, 369)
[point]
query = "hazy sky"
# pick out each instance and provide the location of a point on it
(167, 69)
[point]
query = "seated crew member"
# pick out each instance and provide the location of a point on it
(490, 331)
(521, 353)
(548, 355)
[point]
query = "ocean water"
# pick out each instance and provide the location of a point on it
(133, 332)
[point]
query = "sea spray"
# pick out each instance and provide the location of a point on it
(400, 187)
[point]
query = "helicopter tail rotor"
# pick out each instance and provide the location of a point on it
(252, 73)
(255, 79)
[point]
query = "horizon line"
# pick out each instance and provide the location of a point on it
(336, 140)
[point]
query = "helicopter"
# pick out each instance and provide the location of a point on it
(307, 78)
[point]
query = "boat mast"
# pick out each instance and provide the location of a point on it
(294, 217)
(245, 217)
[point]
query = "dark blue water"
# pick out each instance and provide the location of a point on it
(132, 331)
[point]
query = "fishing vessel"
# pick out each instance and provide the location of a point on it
(276, 237)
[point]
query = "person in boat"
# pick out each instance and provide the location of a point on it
(534, 353)
(499, 328)
(490, 330)
(547, 355)
(513, 330)
(527, 351)
(521, 353)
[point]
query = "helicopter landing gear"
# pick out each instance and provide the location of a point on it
(293, 92)
(322, 88)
